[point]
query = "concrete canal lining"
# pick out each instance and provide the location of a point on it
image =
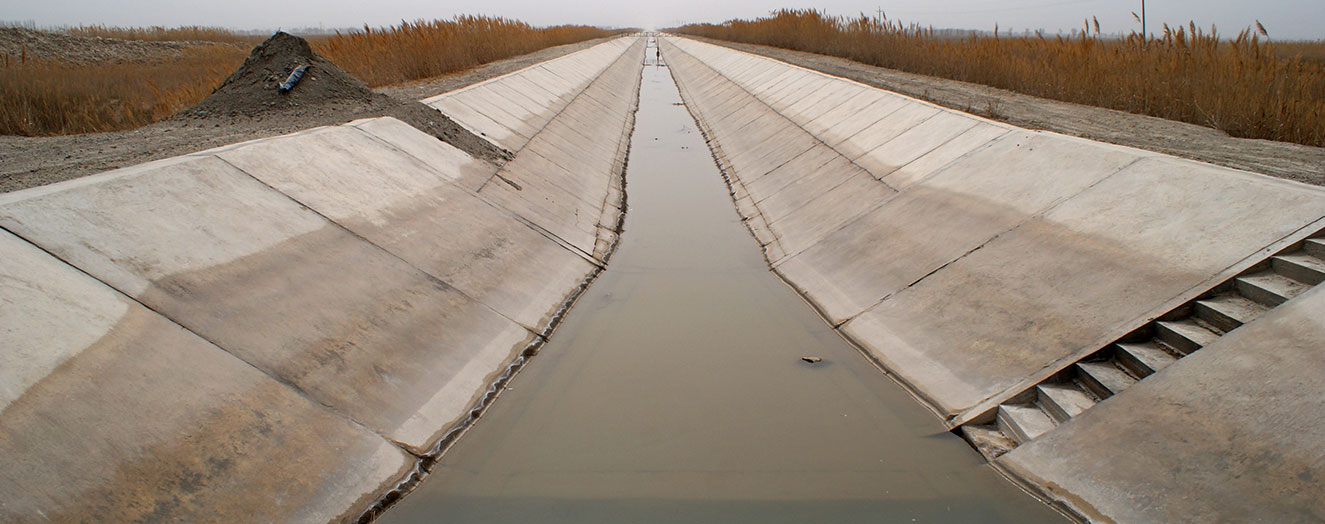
(279, 330)
(974, 261)
(676, 389)
(292, 328)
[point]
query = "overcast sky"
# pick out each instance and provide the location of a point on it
(1285, 19)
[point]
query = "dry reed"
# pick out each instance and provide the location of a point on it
(39, 97)
(422, 49)
(1243, 86)
(158, 33)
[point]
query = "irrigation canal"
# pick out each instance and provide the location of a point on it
(676, 390)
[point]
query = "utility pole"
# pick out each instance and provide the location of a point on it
(1143, 20)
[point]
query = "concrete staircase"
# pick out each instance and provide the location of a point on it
(1150, 349)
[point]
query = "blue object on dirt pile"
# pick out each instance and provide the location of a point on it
(293, 79)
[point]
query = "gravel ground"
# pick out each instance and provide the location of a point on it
(1277, 159)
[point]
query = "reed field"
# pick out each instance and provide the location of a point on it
(422, 49)
(191, 33)
(1246, 85)
(47, 97)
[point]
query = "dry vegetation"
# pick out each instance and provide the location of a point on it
(421, 49)
(1245, 86)
(158, 33)
(46, 97)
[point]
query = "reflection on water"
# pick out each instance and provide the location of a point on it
(675, 390)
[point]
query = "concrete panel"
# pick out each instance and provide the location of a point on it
(342, 172)
(526, 84)
(545, 163)
(570, 139)
(542, 203)
(853, 106)
(879, 133)
(893, 246)
(831, 92)
(113, 413)
(478, 123)
(973, 139)
(784, 99)
(795, 83)
(455, 165)
(788, 173)
(811, 184)
(280, 287)
(754, 162)
(1087, 270)
(533, 112)
(807, 224)
(499, 110)
(963, 207)
(1230, 433)
(915, 143)
(1033, 170)
(878, 108)
(442, 229)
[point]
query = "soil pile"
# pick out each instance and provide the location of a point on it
(326, 95)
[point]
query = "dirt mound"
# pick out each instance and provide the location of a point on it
(18, 42)
(252, 89)
(326, 95)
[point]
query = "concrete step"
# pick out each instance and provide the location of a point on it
(1184, 335)
(1143, 359)
(1103, 379)
(1314, 247)
(1023, 422)
(1228, 311)
(1063, 401)
(1269, 288)
(1300, 267)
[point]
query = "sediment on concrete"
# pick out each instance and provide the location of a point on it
(972, 259)
(287, 329)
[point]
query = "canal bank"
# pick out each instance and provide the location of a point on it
(1045, 295)
(676, 389)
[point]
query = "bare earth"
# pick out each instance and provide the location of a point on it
(1277, 159)
(34, 161)
(21, 43)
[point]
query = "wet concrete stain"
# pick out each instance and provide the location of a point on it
(677, 391)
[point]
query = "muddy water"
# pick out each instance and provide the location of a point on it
(675, 390)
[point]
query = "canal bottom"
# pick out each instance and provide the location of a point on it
(675, 390)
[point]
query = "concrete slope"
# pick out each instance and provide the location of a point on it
(510, 109)
(973, 260)
(113, 413)
(1100, 234)
(560, 180)
(276, 330)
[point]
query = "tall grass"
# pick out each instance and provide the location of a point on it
(1244, 86)
(158, 33)
(54, 98)
(39, 97)
(422, 49)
